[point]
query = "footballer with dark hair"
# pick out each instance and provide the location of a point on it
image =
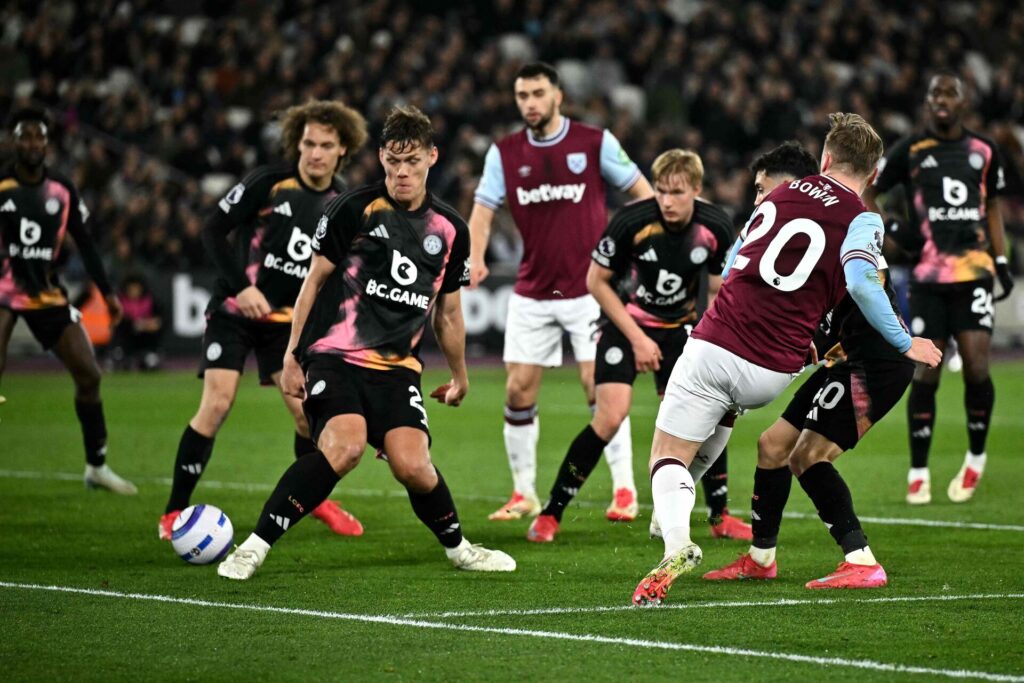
(386, 258)
(38, 207)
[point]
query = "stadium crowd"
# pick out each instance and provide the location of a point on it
(161, 106)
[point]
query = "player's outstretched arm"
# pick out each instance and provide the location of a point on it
(480, 220)
(645, 350)
(924, 351)
(320, 269)
(997, 238)
(450, 330)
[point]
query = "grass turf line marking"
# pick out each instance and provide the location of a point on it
(548, 635)
(782, 602)
(378, 493)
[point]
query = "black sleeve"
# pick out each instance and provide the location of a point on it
(338, 226)
(615, 246)
(239, 207)
(995, 180)
(894, 168)
(456, 271)
(78, 215)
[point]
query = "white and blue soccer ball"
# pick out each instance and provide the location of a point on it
(202, 534)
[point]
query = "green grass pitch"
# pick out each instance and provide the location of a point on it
(388, 606)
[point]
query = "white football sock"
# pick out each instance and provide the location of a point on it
(763, 556)
(863, 556)
(709, 451)
(975, 462)
(521, 448)
(673, 491)
(619, 454)
(916, 473)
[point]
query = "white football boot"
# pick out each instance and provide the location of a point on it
(245, 560)
(103, 477)
(476, 558)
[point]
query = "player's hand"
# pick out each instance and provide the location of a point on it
(812, 355)
(647, 354)
(114, 308)
(252, 302)
(1005, 277)
(478, 272)
(924, 351)
(450, 393)
(293, 383)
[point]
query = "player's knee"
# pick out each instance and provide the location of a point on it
(607, 421)
(417, 474)
(800, 460)
(342, 455)
(975, 370)
(87, 383)
(218, 406)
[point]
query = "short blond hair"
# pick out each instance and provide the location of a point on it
(684, 162)
(346, 122)
(853, 143)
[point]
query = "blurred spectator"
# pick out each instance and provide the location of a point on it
(136, 342)
(152, 99)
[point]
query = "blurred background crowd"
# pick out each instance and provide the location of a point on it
(162, 105)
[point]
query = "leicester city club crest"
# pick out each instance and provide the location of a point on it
(577, 162)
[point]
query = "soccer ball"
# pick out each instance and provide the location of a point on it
(202, 534)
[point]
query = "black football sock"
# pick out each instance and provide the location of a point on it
(771, 492)
(437, 511)
(921, 418)
(978, 400)
(831, 496)
(194, 452)
(94, 431)
(583, 455)
(302, 487)
(716, 488)
(303, 445)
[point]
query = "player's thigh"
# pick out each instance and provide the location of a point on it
(976, 349)
(294, 407)
(75, 351)
(393, 400)
(671, 342)
(579, 318)
(227, 341)
(614, 360)
(408, 454)
(533, 335)
(270, 344)
(930, 313)
(7, 322)
(336, 409)
(698, 394)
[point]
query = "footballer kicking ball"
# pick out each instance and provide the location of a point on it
(202, 534)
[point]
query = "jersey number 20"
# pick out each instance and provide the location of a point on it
(797, 226)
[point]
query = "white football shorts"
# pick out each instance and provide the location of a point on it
(534, 329)
(707, 382)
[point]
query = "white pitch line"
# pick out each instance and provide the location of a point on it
(782, 602)
(866, 664)
(399, 493)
